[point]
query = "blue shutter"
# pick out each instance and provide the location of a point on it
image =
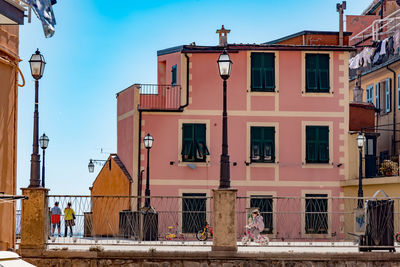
(369, 94)
(387, 93)
(377, 100)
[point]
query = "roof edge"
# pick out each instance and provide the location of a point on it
(304, 33)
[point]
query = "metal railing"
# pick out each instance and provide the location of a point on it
(288, 221)
(160, 97)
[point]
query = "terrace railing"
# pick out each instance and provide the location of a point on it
(175, 220)
(160, 97)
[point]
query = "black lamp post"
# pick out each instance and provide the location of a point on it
(148, 143)
(360, 144)
(44, 142)
(224, 65)
(37, 64)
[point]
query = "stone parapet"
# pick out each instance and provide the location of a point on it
(207, 259)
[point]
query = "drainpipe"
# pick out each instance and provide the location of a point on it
(187, 83)
(394, 111)
(139, 184)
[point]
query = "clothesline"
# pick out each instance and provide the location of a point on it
(376, 55)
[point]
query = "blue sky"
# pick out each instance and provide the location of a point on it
(101, 47)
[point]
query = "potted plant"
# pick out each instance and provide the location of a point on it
(389, 168)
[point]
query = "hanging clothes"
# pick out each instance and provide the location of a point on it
(383, 47)
(389, 47)
(396, 41)
(376, 57)
(355, 62)
(366, 55)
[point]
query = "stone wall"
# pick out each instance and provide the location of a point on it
(206, 259)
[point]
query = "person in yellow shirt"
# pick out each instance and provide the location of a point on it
(69, 218)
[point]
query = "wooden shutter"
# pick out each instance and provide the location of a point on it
(388, 95)
(269, 144)
(311, 73)
(187, 142)
(255, 142)
(323, 72)
(200, 140)
(382, 97)
(311, 146)
(377, 94)
(323, 144)
(173, 73)
(269, 71)
(256, 71)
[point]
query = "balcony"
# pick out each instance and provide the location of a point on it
(157, 97)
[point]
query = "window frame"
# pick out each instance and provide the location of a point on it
(248, 144)
(303, 217)
(181, 162)
(263, 141)
(388, 95)
(315, 197)
(174, 74)
(318, 143)
(263, 72)
(197, 213)
(318, 72)
(196, 144)
(265, 214)
(377, 95)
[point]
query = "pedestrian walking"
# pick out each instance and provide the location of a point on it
(55, 219)
(69, 217)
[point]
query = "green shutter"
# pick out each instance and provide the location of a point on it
(317, 144)
(311, 72)
(200, 140)
(262, 71)
(187, 142)
(269, 71)
(262, 144)
(256, 71)
(323, 69)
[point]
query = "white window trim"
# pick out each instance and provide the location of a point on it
(303, 144)
(303, 75)
(303, 213)
(208, 136)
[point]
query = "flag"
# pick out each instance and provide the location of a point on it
(44, 11)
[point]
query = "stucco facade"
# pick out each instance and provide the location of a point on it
(289, 109)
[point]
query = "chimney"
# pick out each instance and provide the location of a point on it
(340, 8)
(223, 36)
(358, 91)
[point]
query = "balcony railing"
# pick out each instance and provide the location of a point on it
(160, 97)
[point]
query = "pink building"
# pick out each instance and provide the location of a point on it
(288, 121)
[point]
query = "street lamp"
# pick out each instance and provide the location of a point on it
(224, 65)
(44, 142)
(148, 143)
(360, 144)
(97, 161)
(37, 64)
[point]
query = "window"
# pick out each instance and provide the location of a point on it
(264, 205)
(388, 97)
(316, 214)
(263, 72)
(173, 78)
(262, 144)
(377, 93)
(317, 144)
(317, 73)
(194, 146)
(193, 212)
(370, 94)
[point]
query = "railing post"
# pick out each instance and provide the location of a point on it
(34, 219)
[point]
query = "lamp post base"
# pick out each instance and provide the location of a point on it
(225, 226)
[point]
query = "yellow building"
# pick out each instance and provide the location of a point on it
(112, 180)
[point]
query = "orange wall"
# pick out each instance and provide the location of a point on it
(106, 210)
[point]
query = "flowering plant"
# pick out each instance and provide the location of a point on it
(389, 168)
